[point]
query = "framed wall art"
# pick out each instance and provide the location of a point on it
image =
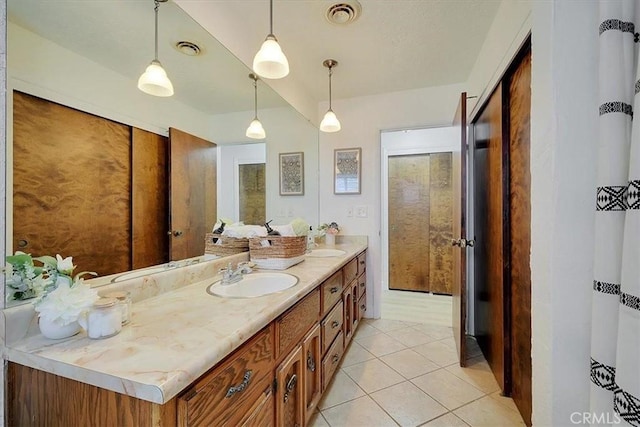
(292, 174)
(347, 166)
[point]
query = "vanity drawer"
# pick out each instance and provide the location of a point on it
(331, 325)
(214, 399)
(331, 291)
(294, 323)
(362, 262)
(362, 306)
(350, 271)
(361, 286)
(331, 361)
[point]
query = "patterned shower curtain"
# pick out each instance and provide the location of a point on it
(615, 337)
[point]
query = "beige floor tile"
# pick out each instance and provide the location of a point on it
(386, 325)
(407, 404)
(362, 412)
(488, 412)
(449, 342)
(409, 363)
(373, 375)
(342, 389)
(365, 330)
(381, 344)
(411, 337)
(447, 420)
(436, 331)
(356, 354)
(317, 420)
(477, 373)
(504, 400)
(447, 389)
(437, 352)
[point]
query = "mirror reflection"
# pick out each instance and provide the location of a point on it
(93, 159)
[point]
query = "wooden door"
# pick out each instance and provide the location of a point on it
(150, 199)
(71, 185)
(289, 400)
(408, 207)
(520, 234)
(489, 205)
(252, 194)
(459, 288)
(192, 193)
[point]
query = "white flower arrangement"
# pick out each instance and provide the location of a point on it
(60, 297)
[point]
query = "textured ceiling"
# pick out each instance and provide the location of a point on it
(394, 45)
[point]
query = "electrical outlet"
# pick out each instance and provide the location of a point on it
(350, 211)
(361, 211)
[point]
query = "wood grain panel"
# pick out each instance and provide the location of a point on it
(312, 377)
(37, 398)
(440, 223)
(408, 199)
(290, 399)
(252, 194)
(292, 325)
(150, 202)
(331, 290)
(263, 412)
(520, 234)
(71, 185)
(192, 190)
(489, 210)
(331, 325)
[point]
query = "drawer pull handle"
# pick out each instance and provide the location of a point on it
(334, 290)
(362, 285)
(291, 384)
(240, 387)
(363, 307)
(311, 363)
(334, 324)
(362, 262)
(335, 358)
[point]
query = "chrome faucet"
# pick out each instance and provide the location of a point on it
(229, 275)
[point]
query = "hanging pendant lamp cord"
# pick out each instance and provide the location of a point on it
(255, 98)
(330, 73)
(156, 11)
(271, 18)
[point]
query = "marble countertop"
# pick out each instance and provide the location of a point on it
(173, 338)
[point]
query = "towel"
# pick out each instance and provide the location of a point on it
(245, 231)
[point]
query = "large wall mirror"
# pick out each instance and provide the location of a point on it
(87, 56)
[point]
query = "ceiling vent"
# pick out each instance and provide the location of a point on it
(344, 12)
(188, 48)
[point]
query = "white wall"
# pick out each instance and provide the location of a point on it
(362, 120)
(564, 114)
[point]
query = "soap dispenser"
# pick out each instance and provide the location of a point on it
(271, 231)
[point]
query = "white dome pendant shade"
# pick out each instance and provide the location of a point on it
(330, 122)
(270, 62)
(255, 129)
(154, 80)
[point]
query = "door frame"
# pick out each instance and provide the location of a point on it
(394, 143)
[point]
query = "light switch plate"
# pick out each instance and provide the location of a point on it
(350, 211)
(361, 211)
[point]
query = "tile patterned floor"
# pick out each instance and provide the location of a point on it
(399, 373)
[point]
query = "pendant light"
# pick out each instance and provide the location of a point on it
(255, 129)
(270, 62)
(154, 80)
(330, 122)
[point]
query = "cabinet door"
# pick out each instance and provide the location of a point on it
(262, 413)
(312, 370)
(289, 398)
(355, 318)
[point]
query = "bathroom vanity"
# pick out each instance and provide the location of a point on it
(189, 358)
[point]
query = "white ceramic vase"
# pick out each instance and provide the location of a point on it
(57, 331)
(330, 239)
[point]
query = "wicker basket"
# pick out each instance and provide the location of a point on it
(217, 244)
(280, 253)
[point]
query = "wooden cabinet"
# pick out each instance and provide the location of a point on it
(262, 413)
(350, 271)
(289, 394)
(225, 391)
(331, 326)
(331, 360)
(312, 377)
(362, 262)
(348, 313)
(331, 290)
(295, 322)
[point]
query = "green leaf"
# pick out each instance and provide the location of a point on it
(47, 260)
(20, 259)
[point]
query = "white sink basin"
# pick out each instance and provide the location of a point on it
(325, 253)
(254, 285)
